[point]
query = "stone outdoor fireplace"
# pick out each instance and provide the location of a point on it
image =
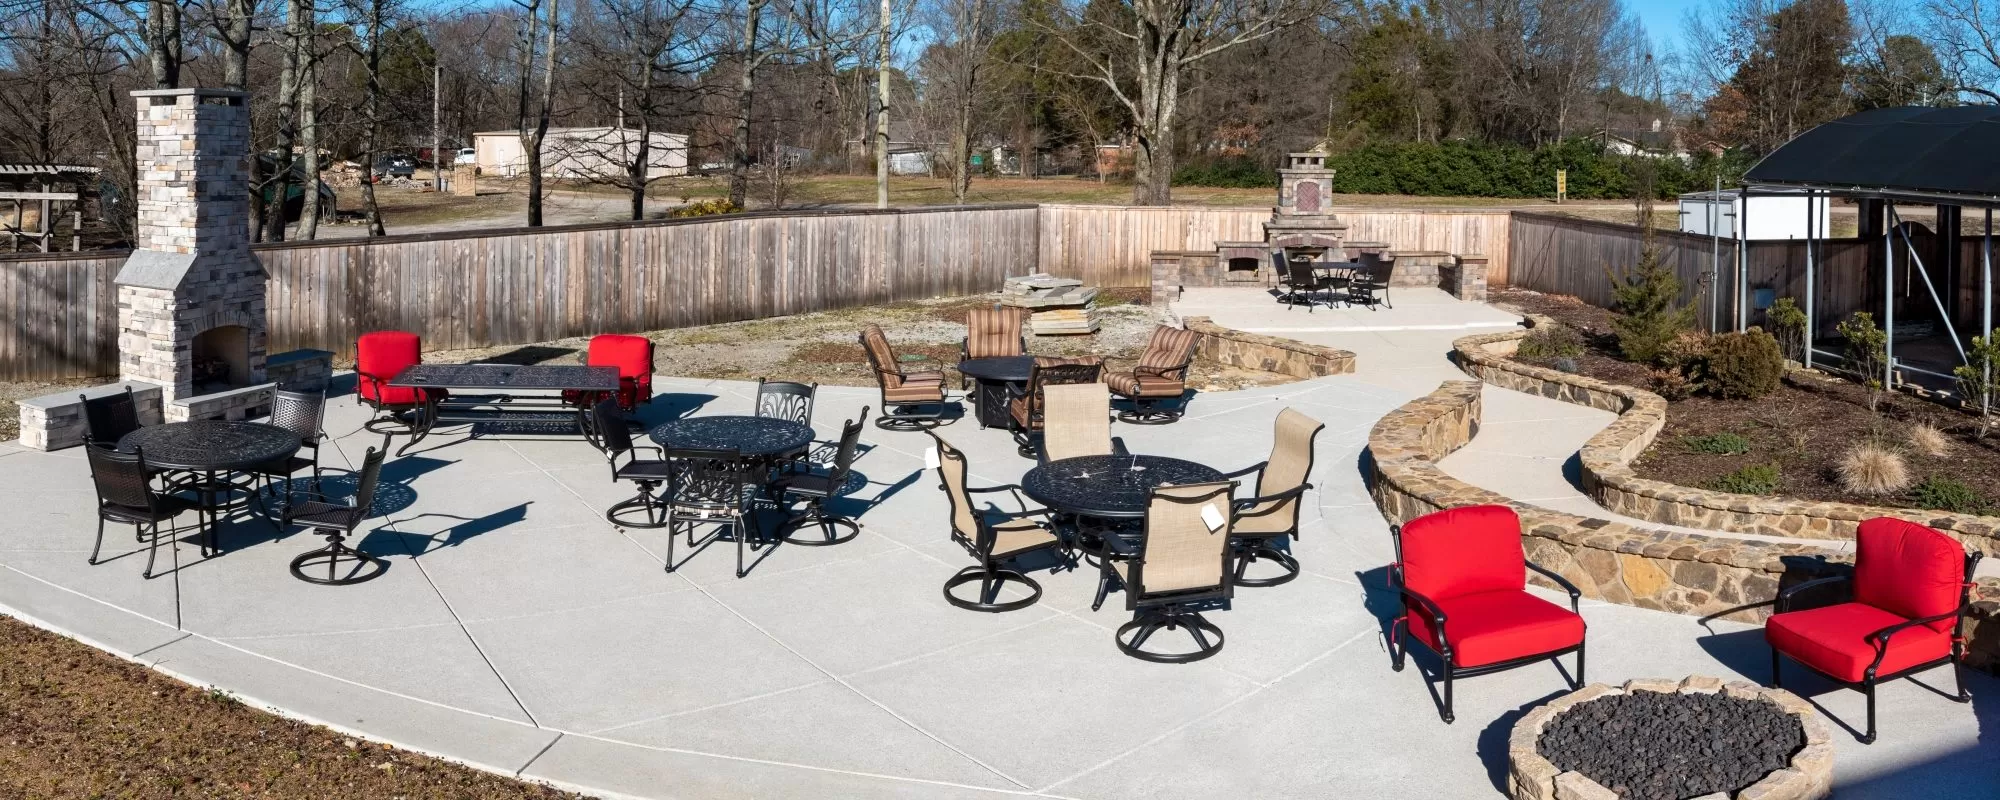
(191, 297)
(191, 319)
(1304, 227)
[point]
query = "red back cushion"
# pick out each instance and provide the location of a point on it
(633, 356)
(1461, 551)
(1907, 569)
(380, 355)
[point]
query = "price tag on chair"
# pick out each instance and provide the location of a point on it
(931, 458)
(1213, 517)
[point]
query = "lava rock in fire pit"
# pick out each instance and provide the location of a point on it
(1669, 746)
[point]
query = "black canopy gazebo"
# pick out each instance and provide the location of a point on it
(1946, 157)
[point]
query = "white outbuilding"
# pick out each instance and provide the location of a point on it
(582, 153)
(1773, 214)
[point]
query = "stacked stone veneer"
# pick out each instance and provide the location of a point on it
(1808, 776)
(1234, 348)
(1608, 476)
(191, 270)
(1462, 276)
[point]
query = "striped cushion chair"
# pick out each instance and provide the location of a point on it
(1028, 406)
(911, 399)
(1160, 377)
(993, 333)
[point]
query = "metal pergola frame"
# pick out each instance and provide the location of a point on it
(1892, 228)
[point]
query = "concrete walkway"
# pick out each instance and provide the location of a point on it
(515, 630)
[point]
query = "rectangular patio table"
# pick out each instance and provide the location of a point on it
(501, 388)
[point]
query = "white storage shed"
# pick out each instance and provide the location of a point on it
(1773, 214)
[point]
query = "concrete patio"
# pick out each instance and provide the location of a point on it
(517, 631)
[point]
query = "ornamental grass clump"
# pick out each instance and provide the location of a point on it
(1873, 469)
(1925, 438)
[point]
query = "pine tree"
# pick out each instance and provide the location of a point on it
(1647, 299)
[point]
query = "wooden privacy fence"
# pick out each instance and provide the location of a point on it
(59, 315)
(1113, 245)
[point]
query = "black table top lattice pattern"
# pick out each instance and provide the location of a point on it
(750, 436)
(210, 445)
(509, 376)
(1109, 486)
(999, 368)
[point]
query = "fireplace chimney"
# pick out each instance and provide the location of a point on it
(191, 272)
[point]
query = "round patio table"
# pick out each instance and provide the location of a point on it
(992, 381)
(1109, 487)
(211, 450)
(752, 437)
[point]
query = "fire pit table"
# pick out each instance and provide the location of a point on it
(1662, 739)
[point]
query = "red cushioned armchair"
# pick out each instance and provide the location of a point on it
(1911, 587)
(1464, 582)
(633, 356)
(378, 357)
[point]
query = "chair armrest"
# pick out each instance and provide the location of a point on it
(1257, 467)
(1248, 503)
(1118, 446)
(1879, 639)
(1430, 608)
(1559, 580)
(1006, 487)
(1783, 602)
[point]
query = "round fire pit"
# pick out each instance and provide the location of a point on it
(1672, 740)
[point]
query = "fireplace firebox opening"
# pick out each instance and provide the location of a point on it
(221, 359)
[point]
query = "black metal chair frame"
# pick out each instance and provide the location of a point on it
(145, 520)
(1399, 633)
(311, 428)
(1371, 278)
(614, 439)
(1880, 641)
(107, 419)
(797, 395)
(815, 489)
(904, 416)
(1167, 611)
(1305, 280)
(705, 487)
(1025, 436)
(988, 572)
(336, 522)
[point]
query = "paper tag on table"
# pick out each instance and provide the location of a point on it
(931, 459)
(1213, 517)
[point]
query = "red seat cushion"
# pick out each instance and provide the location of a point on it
(1466, 550)
(379, 356)
(633, 357)
(1831, 640)
(1490, 627)
(1908, 570)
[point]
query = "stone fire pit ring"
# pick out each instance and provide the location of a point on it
(1807, 776)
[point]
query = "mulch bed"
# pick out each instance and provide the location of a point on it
(1804, 427)
(78, 723)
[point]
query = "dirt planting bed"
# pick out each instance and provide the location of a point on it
(1805, 428)
(78, 723)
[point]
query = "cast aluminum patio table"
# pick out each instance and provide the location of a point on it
(211, 449)
(1109, 487)
(766, 438)
(501, 381)
(992, 378)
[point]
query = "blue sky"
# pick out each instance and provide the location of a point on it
(1662, 19)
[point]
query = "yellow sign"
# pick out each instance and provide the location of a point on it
(1562, 184)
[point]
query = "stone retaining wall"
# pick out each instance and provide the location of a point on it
(1234, 348)
(1684, 573)
(1609, 478)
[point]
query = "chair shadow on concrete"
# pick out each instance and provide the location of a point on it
(1386, 606)
(465, 530)
(671, 406)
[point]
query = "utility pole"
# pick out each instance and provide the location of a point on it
(882, 115)
(437, 134)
